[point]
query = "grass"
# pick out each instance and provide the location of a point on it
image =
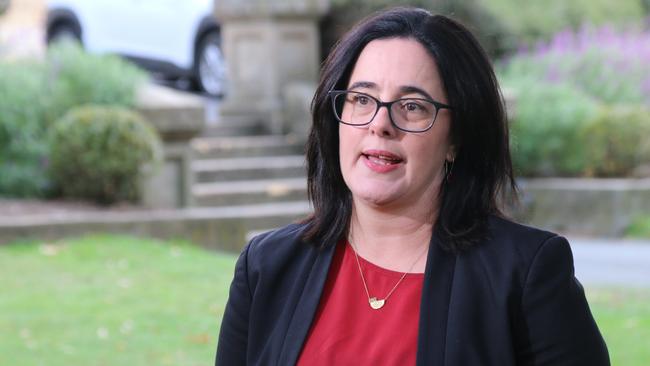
(111, 300)
(106, 300)
(640, 228)
(623, 317)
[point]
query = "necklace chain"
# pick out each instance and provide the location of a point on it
(373, 301)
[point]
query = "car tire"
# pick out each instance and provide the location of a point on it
(64, 32)
(209, 65)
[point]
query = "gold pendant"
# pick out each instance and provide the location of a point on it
(376, 304)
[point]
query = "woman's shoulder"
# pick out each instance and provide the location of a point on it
(512, 251)
(278, 245)
(283, 236)
(507, 230)
(508, 239)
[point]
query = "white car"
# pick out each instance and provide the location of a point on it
(178, 39)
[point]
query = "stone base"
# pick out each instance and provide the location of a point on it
(225, 228)
(170, 185)
(591, 207)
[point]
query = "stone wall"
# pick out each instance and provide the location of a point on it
(590, 207)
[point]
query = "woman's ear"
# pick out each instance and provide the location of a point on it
(451, 153)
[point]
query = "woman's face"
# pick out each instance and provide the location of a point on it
(382, 165)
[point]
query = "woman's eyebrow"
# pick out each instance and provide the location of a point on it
(363, 84)
(408, 89)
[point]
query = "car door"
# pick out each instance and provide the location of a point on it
(109, 25)
(161, 30)
(170, 29)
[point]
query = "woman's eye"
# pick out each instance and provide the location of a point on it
(412, 107)
(362, 100)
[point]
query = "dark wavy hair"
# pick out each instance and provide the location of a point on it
(482, 169)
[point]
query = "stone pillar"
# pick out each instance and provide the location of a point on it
(178, 117)
(269, 45)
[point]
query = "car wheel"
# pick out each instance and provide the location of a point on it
(64, 32)
(210, 65)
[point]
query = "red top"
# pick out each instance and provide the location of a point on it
(347, 331)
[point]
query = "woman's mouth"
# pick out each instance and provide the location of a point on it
(381, 161)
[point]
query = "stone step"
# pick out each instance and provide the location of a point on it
(212, 170)
(222, 228)
(242, 146)
(233, 193)
(220, 125)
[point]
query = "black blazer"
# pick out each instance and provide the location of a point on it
(510, 300)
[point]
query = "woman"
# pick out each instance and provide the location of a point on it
(407, 259)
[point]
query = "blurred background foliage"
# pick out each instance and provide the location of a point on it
(36, 93)
(583, 103)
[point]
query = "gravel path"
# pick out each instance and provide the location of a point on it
(612, 262)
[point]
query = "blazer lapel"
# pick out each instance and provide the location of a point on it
(307, 305)
(434, 306)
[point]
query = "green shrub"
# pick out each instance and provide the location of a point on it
(98, 153)
(79, 78)
(558, 131)
(546, 130)
(617, 140)
(23, 147)
(34, 93)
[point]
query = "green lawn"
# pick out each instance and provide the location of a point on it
(107, 300)
(624, 319)
(640, 228)
(111, 301)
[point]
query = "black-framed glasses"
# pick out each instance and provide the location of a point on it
(407, 114)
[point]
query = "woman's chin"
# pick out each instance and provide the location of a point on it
(376, 198)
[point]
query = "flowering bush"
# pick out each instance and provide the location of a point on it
(613, 67)
(581, 105)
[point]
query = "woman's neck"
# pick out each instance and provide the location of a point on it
(392, 239)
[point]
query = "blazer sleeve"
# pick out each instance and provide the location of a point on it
(558, 325)
(233, 336)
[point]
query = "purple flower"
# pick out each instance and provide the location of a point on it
(597, 60)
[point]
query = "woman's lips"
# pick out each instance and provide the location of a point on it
(381, 161)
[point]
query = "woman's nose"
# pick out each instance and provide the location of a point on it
(381, 125)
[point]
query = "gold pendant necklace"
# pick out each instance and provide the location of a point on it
(374, 302)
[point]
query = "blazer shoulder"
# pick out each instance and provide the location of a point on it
(276, 246)
(270, 240)
(517, 236)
